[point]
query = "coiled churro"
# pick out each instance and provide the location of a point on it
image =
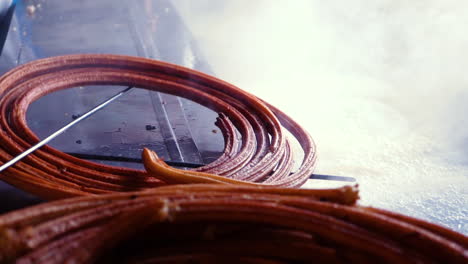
(204, 223)
(262, 155)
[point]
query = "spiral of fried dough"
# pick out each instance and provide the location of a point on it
(205, 223)
(261, 154)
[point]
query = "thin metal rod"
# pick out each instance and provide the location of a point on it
(63, 129)
(332, 177)
(131, 160)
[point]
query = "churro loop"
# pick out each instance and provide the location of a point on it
(205, 223)
(261, 154)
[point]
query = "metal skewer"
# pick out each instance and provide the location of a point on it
(63, 129)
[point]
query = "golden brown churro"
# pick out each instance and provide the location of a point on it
(206, 222)
(262, 155)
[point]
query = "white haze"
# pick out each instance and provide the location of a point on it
(382, 86)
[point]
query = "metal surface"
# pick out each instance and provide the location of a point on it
(6, 11)
(61, 130)
(119, 27)
(183, 129)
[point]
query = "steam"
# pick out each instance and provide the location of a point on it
(381, 86)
